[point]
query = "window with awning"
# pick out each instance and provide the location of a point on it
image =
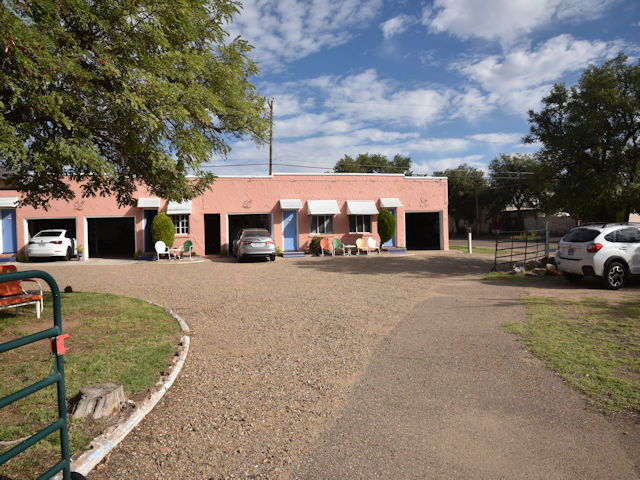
(361, 207)
(8, 202)
(149, 202)
(323, 207)
(179, 208)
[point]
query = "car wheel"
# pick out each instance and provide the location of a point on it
(615, 275)
(67, 257)
(572, 277)
(272, 258)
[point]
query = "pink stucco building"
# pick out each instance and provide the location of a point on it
(293, 207)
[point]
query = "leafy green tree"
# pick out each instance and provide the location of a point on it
(590, 136)
(373, 163)
(162, 229)
(466, 188)
(113, 93)
(511, 183)
(386, 225)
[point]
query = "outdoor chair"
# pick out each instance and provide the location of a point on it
(324, 245)
(162, 249)
(13, 294)
(372, 245)
(187, 249)
(361, 245)
(336, 244)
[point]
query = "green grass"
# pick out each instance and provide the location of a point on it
(112, 338)
(593, 344)
(464, 248)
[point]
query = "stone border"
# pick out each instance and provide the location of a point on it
(102, 445)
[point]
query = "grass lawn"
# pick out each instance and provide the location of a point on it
(464, 248)
(112, 339)
(593, 344)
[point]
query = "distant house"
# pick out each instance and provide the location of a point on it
(294, 207)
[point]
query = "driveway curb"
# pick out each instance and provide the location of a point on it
(102, 445)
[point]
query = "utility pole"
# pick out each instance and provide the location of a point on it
(270, 136)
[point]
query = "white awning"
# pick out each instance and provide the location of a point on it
(179, 208)
(361, 207)
(9, 202)
(290, 203)
(323, 207)
(390, 203)
(149, 203)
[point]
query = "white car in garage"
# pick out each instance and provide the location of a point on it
(52, 243)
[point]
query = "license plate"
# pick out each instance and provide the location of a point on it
(571, 252)
(258, 244)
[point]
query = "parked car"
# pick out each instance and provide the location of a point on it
(254, 242)
(52, 243)
(610, 251)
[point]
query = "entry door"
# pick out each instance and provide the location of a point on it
(290, 230)
(392, 242)
(8, 231)
(149, 215)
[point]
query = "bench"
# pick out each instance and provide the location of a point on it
(12, 295)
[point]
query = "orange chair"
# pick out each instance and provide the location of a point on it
(12, 295)
(324, 245)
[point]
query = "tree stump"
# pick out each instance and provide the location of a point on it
(99, 401)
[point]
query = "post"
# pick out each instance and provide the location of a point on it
(546, 240)
(469, 239)
(270, 136)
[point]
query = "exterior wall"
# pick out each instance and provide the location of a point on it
(253, 195)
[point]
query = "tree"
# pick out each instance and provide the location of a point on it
(115, 94)
(466, 187)
(511, 182)
(386, 225)
(590, 136)
(373, 163)
(162, 229)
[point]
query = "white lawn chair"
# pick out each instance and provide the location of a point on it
(162, 249)
(372, 245)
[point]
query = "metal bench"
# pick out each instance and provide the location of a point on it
(13, 295)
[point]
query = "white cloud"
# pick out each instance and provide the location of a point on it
(441, 164)
(505, 20)
(497, 138)
(288, 30)
(396, 25)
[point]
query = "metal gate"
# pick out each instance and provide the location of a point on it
(517, 248)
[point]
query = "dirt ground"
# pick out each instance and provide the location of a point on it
(310, 368)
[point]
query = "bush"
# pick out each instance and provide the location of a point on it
(162, 229)
(136, 255)
(21, 258)
(224, 252)
(314, 246)
(386, 226)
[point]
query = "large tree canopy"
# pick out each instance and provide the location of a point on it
(110, 93)
(590, 136)
(373, 163)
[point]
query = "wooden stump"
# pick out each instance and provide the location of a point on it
(99, 401)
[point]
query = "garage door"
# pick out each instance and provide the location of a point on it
(111, 237)
(423, 230)
(35, 225)
(237, 222)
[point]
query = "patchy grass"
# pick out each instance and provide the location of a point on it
(526, 279)
(465, 249)
(593, 344)
(112, 338)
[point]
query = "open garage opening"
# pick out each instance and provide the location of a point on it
(423, 230)
(38, 224)
(112, 237)
(254, 220)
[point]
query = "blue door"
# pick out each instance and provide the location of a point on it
(290, 230)
(149, 215)
(392, 242)
(8, 231)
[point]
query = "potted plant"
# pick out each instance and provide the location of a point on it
(79, 250)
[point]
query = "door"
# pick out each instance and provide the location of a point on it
(290, 230)
(211, 233)
(149, 215)
(392, 242)
(8, 230)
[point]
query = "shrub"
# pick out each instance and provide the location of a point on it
(314, 246)
(136, 255)
(162, 229)
(224, 252)
(21, 258)
(386, 226)
(278, 251)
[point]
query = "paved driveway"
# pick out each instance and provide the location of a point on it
(361, 367)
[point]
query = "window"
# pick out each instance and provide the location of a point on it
(581, 235)
(624, 235)
(321, 224)
(181, 222)
(359, 223)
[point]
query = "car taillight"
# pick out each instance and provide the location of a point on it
(57, 242)
(269, 242)
(246, 242)
(594, 247)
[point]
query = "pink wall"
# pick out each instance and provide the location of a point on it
(250, 195)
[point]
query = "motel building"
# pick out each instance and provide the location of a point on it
(293, 207)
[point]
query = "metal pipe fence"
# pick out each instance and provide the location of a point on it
(518, 248)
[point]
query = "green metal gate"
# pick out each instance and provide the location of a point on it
(56, 375)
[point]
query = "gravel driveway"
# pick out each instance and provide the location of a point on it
(280, 351)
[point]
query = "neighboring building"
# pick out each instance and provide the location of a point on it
(293, 207)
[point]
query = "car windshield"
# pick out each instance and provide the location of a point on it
(581, 235)
(49, 233)
(262, 233)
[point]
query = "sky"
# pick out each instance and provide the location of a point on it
(444, 82)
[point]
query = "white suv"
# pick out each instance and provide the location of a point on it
(607, 250)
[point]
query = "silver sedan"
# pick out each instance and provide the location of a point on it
(254, 242)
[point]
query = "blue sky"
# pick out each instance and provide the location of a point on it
(445, 82)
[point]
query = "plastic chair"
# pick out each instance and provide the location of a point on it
(372, 245)
(361, 245)
(324, 245)
(336, 244)
(187, 248)
(162, 249)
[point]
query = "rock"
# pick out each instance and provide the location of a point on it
(551, 269)
(99, 401)
(530, 265)
(517, 269)
(538, 271)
